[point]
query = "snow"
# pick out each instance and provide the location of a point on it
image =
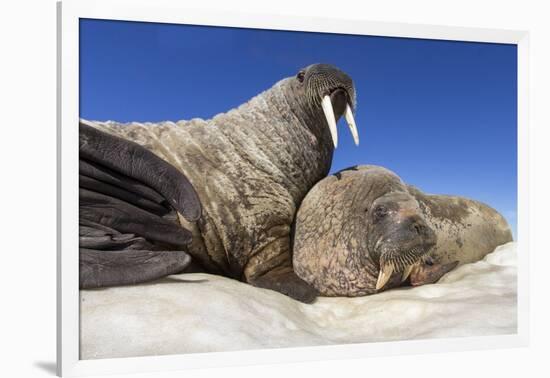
(201, 313)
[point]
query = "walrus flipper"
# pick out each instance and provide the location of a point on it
(133, 161)
(129, 230)
(100, 268)
(285, 281)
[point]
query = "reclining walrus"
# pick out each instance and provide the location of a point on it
(226, 189)
(363, 230)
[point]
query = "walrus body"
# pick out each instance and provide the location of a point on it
(467, 230)
(363, 230)
(250, 168)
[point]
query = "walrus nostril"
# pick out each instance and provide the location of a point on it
(418, 228)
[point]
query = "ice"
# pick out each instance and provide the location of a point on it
(200, 313)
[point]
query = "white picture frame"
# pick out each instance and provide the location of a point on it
(171, 11)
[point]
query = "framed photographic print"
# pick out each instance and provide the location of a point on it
(285, 188)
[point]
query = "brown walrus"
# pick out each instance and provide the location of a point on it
(249, 167)
(363, 230)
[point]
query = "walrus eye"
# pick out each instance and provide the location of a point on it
(380, 212)
(301, 76)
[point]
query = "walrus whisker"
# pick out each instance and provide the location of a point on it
(325, 83)
(402, 261)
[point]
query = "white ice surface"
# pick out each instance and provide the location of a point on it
(201, 313)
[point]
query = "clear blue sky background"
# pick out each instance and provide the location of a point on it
(442, 115)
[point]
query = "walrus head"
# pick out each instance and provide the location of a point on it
(398, 235)
(328, 94)
(359, 232)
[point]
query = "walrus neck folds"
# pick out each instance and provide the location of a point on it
(277, 124)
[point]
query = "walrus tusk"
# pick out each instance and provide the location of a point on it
(331, 120)
(407, 272)
(351, 123)
(384, 276)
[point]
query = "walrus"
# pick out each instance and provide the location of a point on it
(249, 167)
(363, 230)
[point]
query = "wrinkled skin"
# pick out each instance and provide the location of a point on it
(361, 221)
(251, 167)
(467, 230)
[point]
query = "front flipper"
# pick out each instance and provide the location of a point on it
(271, 268)
(285, 281)
(132, 161)
(128, 212)
(424, 274)
(100, 268)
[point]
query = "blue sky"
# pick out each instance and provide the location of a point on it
(442, 115)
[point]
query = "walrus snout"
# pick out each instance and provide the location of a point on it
(405, 225)
(333, 90)
(409, 239)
